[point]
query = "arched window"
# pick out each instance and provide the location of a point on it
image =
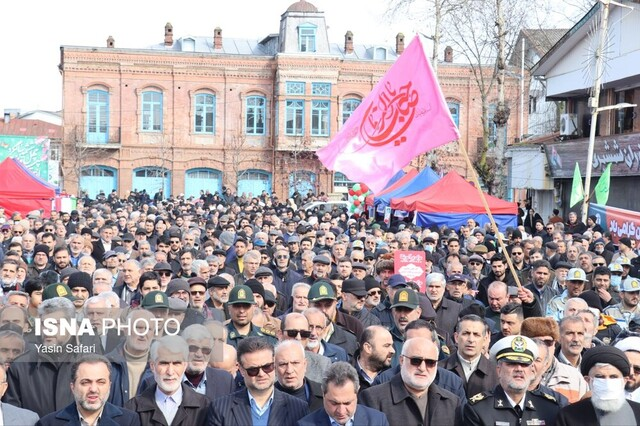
(205, 113)
(255, 107)
(202, 179)
(97, 179)
(348, 107)
(97, 116)
(454, 110)
(151, 111)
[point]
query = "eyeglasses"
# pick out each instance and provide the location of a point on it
(599, 264)
(357, 260)
(205, 350)
(282, 256)
(417, 361)
(165, 273)
(475, 263)
(516, 253)
(375, 292)
(198, 293)
(550, 229)
(305, 334)
(18, 232)
(369, 259)
(7, 230)
(635, 369)
(254, 371)
(549, 342)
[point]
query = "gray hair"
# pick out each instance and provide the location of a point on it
(102, 271)
(436, 276)
(197, 332)
(299, 285)
(173, 344)
(197, 264)
(148, 261)
(287, 344)
(338, 374)
(57, 304)
(97, 299)
(16, 293)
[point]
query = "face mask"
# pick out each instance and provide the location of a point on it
(428, 248)
(608, 389)
(616, 280)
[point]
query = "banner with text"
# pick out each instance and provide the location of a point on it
(620, 222)
(411, 265)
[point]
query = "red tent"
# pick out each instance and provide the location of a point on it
(452, 194)
(397, 184)
(21, 191)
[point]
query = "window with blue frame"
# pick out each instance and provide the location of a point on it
(151, 111)
(348, 107)
(320, 118)
(307, 38)
(321, 89)
(295, 88)
(380, 54)
(97, 116)
(294, 117)
(340, 180)
(256, 113)
(205, 114)
(454, 110)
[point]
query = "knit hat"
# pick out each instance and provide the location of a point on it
(255, 286)
(226, 238)
(80, 279)
(41, 248)
(176, 285)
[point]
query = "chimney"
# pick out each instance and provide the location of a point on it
(448, 54)
(217, 38)
(348, 42)
(399, 43)
(111, 43)
(168, 34)
(7, 117)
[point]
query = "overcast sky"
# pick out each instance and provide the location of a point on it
(34, 31)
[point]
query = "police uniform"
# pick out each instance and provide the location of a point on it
(493, 408)
(242, 294)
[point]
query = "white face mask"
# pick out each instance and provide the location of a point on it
(607, 389)
(616, 280)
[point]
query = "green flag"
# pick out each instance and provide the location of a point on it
(577, 190)
(602, 188)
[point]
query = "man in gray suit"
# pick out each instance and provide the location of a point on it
(294, 326)
(13, 415)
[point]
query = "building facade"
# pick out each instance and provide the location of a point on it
(200, 113)
(568, 70)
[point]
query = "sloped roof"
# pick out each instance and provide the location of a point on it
(542, 40)
(24, 127)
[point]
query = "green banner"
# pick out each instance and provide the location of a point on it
(602, 188)
(577, 190)
(32, 151)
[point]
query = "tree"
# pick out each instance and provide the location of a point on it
(78, 154)
(237, 153)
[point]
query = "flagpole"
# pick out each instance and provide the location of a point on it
(474, 176)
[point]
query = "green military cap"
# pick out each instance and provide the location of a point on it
(321, 290)
(241, 294)
(155, 299)
(57, 290)
(407, 298)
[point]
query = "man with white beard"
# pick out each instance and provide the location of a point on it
(176, 402)
(605, 369)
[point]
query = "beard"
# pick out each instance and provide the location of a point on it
(608, 405)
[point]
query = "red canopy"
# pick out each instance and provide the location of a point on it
(397, 184)
(21, 191)
(452, 194)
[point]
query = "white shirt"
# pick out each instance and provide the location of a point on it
(468, 367)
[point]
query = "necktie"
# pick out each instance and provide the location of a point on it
(518, 411)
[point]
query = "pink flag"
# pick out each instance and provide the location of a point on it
(404, 116)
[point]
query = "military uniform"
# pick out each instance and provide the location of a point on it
(493, 408)
(243, 295)
(234, 337)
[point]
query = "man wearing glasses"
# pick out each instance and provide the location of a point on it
(411, 397)
(260, 403)
(510, 401)
(295, 326)
(631, 348)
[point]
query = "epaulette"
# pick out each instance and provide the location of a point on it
(267, 332)
(549, 397)
(478, 397)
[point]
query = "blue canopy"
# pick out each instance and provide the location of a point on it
(395, 178)
(422, 180)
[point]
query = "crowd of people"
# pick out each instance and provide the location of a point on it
(270, 315)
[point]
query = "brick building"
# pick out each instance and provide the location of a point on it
(197, 113)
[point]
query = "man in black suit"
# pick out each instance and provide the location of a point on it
(91, 381)
(410, 397)
(605, 369)
(340, 405)
(260, 402)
